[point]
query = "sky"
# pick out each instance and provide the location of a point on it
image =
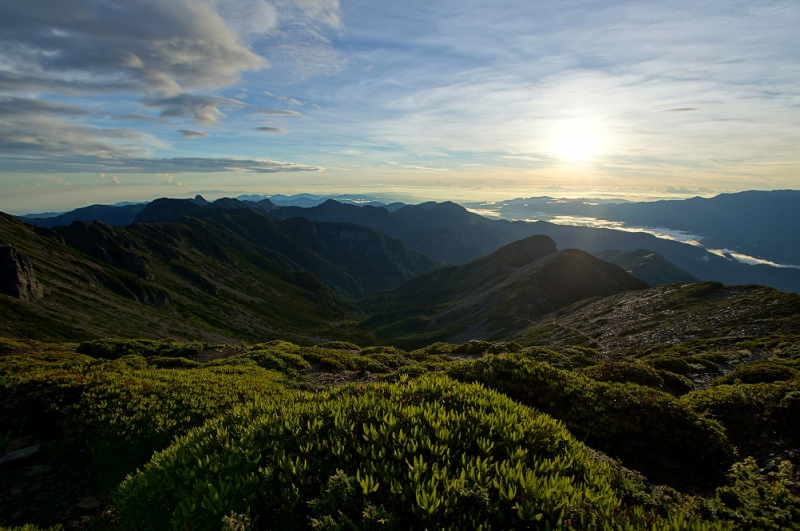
(104, 101)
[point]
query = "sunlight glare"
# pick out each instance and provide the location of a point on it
(576, 142)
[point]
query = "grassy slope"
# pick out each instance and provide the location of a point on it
(242, 297)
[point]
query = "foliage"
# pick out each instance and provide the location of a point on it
(641, 426)
(755, 502)
(763, 397)
(431, 453)
(34, 361)
(29, 527)
(165, 362)
(115, 348)
(666, 362)
(122, 414)
(8, 345)
(640, 374)
(623, 372)
(277, 356)
(749, 410)
(758, 373)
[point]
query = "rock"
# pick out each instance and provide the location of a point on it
(88, 503)
(16, 275)
(107, 244)
(22, 442)
(24, 453)
(15, 492)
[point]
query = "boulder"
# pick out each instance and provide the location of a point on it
(17, 278)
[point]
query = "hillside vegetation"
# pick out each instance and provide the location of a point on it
(265, 437)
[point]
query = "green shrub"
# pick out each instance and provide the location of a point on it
(747, 409)
(641, 426)
(675, 383)
(757, 373)
(667, 362)
(8, 345)
(429, 454)
(340, 345)
(163, 362)
(277, 344)
(753, 501)
(30, 527)
(119, 414)
(35, 361)
(624, 372)
(391, 351)
(347, 360)
(115, 348)
(412, 371)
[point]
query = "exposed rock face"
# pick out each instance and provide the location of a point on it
(112, 246)
(16, 275)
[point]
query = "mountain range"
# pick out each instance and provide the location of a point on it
(449, 233)
(251, 269)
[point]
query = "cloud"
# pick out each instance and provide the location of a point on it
(42, 136)
(152, 46)
(139, 117)
(278, 112)
(681, 109)
(169, 180)
(66, 163)
(12, 106)
(271, 129)
(204, 109)
(424, 168)
(189, 133)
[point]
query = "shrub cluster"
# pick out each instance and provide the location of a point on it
(429, 454)
(113, 348)
(640, 374)
(119, 410)
(751, 373)
(641, 426)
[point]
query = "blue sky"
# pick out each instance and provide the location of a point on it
(110, 100)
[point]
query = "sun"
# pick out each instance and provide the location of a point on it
(577, 146)
(576, 142)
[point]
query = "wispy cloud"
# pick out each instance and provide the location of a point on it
(119, 164)
(271, 129)
(190, 133)
(203, 109)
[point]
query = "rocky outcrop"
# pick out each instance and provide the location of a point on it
(16, 275)
(109, 245)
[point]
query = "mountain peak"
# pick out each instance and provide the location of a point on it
(522, 252)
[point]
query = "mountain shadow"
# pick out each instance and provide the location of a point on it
(495, 296)
(645, 265)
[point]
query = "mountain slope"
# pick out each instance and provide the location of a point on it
(351, 259)
(109, 214)
(669, 314)
(172, 281)
(440, 242)
(649, 266)
(231, 273)
(494, 296)
(697, 261)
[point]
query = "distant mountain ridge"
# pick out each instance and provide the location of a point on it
(756, 223)
(449, 233)
(645, 265)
